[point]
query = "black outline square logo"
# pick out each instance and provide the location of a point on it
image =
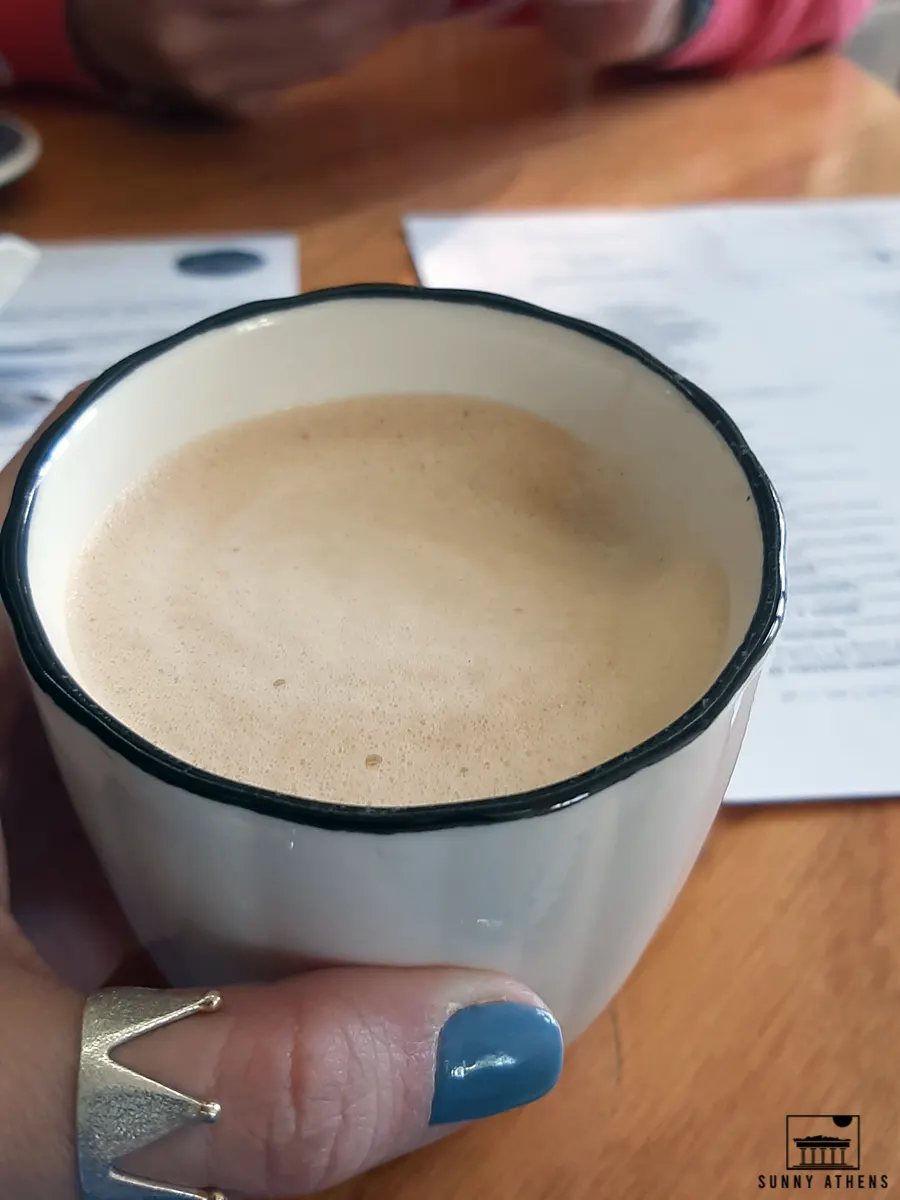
(822, 1143)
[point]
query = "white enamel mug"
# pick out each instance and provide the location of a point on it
(562, 887)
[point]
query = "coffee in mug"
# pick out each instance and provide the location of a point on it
(394, 600)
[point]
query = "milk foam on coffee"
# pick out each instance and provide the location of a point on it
(396, 600)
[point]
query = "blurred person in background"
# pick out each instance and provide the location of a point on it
(238, 57)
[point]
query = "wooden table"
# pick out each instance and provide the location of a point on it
(774, 986)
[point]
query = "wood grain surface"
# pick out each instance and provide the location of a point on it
(774, 985)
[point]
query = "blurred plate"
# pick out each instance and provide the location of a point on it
(20, 149)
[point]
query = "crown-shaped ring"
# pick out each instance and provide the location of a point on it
(120, 1111)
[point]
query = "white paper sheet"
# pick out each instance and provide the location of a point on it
(89, 304)
(789, 315)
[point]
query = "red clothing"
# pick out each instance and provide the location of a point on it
(34, 43)
(739, 34)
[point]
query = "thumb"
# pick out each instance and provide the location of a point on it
(333, 1072)
(318, 1078)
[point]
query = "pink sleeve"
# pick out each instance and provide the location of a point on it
(742, 34)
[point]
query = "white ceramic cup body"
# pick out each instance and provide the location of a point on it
(562, 888)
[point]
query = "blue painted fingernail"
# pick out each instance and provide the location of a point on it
(494, 1057)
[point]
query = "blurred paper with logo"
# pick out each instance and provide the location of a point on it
(84, 306)
(787, 314)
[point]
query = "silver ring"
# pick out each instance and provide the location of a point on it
(120, 1111)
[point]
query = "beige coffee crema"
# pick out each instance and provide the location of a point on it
(397, 600)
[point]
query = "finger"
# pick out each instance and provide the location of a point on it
(244, 59)
(239, 59)
(607, 33)
(328, 1074)
(318, 1078)
(244, 64)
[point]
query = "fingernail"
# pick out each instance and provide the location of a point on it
(494, 1057)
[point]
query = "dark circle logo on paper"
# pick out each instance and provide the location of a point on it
(219, 264)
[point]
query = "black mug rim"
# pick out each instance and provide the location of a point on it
(57, 684)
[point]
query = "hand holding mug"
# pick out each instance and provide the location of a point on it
(323, 1074)
(318, 1077)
